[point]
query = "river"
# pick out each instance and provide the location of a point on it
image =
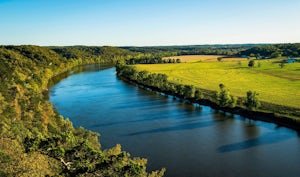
(189, 140)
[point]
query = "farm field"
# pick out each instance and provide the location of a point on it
(274, 84)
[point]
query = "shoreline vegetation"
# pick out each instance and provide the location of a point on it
(35, 140)
(159, 83)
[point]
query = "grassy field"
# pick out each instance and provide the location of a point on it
(274, 84)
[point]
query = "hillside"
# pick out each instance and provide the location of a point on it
(34, 139)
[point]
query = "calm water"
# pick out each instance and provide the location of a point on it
(186, 139)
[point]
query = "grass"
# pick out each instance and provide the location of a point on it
(275, 85)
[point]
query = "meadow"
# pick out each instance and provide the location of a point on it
(280, 86)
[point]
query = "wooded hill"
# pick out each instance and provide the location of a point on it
(34, 139)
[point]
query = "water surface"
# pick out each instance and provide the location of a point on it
(186, 139)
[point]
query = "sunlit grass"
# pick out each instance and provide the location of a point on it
(274, 84)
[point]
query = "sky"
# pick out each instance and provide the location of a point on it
(148, 22)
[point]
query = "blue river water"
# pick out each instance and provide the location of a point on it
(188, 140)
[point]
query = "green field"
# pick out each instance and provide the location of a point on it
(275, 85)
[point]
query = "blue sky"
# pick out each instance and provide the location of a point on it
(148, 22)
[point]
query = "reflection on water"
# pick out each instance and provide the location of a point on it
(75, 70)
(187, 139)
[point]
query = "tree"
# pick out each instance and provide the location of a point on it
(198, 94)
(251, 63)
(232, 102)
(179, 89)
(252, 102)
(276, 54)
(189, 91)
(224, 98)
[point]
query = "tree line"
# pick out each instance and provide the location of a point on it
(165, 51)
(273, 51)
(259, 51)
(161, 83)
(151, 60)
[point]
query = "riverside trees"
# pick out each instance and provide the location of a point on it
(160, 82)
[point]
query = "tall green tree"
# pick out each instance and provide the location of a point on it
(224, 98)
(252, 102)
(189, 91)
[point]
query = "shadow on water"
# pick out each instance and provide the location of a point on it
(160, 117)
(265, 139)
(188, 126)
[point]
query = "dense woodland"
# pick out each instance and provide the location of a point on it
(163, 51)
(247, 50)
(273, 51)
(36, 141)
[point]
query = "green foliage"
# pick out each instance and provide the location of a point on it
(34, 139)
(154, 80)
(252, 102)
(273, 51)
(251, 63)
(189, 91)
(165, 51)
(198, 94)
(4, 157)
(224, 98)
(85, 54)
(152, 59)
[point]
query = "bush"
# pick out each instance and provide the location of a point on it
(251, 63)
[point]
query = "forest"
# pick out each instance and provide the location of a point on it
(34, 139)
(273, 51)
(255, 50)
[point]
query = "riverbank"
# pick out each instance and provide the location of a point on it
(187, 139)
(35, 139)
(275, 86)
(131, 76)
